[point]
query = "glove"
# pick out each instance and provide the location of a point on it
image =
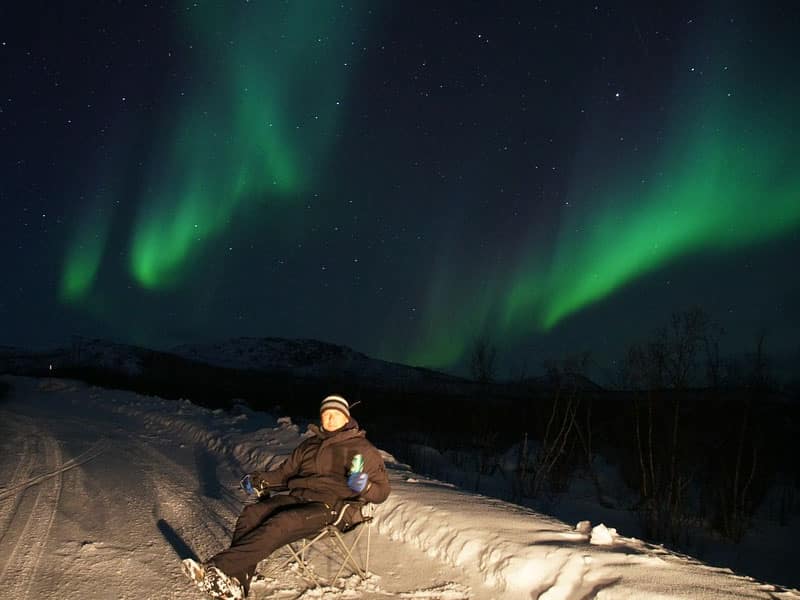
(254, 484)
(357, 482)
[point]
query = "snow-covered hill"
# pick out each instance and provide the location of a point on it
(298, 358)
(309, 358)
(123, 359)
(102, 490)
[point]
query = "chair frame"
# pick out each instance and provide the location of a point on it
(358, 565)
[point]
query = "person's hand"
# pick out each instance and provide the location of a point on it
(357, 482)
(254, 484)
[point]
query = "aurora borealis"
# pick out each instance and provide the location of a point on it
(401, 179)
(246, 131)
(731, 187)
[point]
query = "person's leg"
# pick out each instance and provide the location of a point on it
(253, 515)
(287, 525)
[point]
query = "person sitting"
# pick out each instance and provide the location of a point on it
(334, 466)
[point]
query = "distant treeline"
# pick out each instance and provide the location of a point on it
(696, 458)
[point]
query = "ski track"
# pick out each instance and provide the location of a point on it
(32, 529)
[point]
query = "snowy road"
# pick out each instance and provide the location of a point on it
(101, 491)
(97, 503)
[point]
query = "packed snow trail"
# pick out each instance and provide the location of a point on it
(102, 491)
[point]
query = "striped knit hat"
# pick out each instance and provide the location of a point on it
(336, 403)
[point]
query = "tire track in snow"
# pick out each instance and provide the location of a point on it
(22, 471)
(89, 454)
(32, 529)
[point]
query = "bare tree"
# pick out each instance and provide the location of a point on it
(484, 439)
(714, 363)
(551, 465)
(481, 360)
(736, 497)
(680, 344)
(758, 377)
(669, 361)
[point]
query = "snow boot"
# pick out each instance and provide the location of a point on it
(212, 581)
(194, 571)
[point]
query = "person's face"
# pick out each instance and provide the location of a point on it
(333, 419)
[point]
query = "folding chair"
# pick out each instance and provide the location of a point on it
(336, 534)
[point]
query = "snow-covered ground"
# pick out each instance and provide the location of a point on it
(101, 491)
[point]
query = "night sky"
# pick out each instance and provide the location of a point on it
(400, 177)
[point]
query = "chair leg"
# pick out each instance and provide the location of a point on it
(347, 554)
(298, 555)
(369, 537)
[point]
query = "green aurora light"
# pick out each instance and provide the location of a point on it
(734, 188)
(727, 179)
(250, 132)
(83, 259)
(256, 137)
